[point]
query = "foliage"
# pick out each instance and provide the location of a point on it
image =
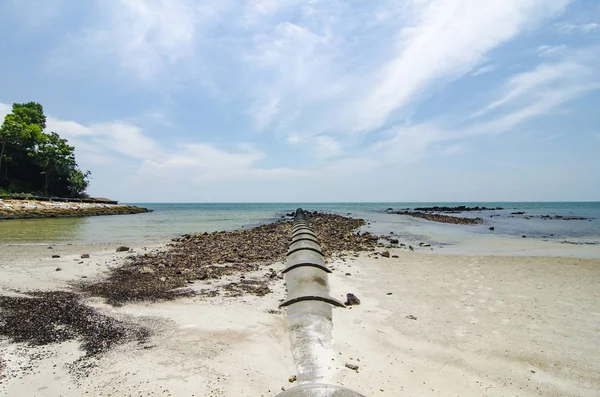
(34, 161)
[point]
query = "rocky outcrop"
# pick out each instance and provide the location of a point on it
(460, 208)
(441, 218)
(20, 209)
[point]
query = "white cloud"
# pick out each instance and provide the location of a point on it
(564, 74)
(483, 70)
(523, 97)
(449, 39)
(584, 28)
(4, 110)
(344, 71)
(146, 37)
(454, 150)
(545, 51)
(326, 147)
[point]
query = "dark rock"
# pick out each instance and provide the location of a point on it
(411, 317)
(122, 249)
(395, 256)
(394, 241)
(353, 367)
(385, 254)
(492, 228)
(85, 256)
(424, 245)
(58, 269)
(524, 236)
(352, 300)
(410, 247)
(517, 213)
(389, 293)
(50, 248)
(56, 256)
(348, 274)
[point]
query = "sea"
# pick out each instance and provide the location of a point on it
(170, 220)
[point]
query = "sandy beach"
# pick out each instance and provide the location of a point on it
(485, 326)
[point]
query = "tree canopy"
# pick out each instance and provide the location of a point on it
(33, 161)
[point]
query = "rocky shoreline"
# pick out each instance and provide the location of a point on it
(25, 209)
(234, 263)
(211, 256)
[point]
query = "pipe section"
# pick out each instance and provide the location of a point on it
(309, 314)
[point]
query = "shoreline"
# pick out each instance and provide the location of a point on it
(494, 325)
(35, 209)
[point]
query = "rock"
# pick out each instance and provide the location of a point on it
(410, 247)
(411, 317)
(395, 256)
(394, 241)
(353, 367)
(292, 379)
(385, 254)
(492, 228)
(85, 256)
(424, 245)
(56, 256)
(123, 249)
(389, 293)
(352, 300)
(146, 270)
(524, 236)
(50, 248)
(58, 269)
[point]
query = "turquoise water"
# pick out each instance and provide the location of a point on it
(172, 219)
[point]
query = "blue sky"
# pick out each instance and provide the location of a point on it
(316, 100)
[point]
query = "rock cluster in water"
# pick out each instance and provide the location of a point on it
(460, 208)
(440, 217)
(19, 209)
(207, 256)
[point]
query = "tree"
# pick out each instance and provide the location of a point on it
(37, 161)
(21, 131)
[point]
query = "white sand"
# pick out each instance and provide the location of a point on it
(483, 324)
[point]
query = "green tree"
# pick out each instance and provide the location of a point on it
(37, 161)
(21, 131)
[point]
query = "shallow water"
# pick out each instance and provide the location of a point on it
(172, 219)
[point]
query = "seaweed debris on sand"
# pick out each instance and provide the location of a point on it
(41, 318)
(207, 256)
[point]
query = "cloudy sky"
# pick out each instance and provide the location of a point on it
(315, 100)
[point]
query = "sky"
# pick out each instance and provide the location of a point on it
(315, 100)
